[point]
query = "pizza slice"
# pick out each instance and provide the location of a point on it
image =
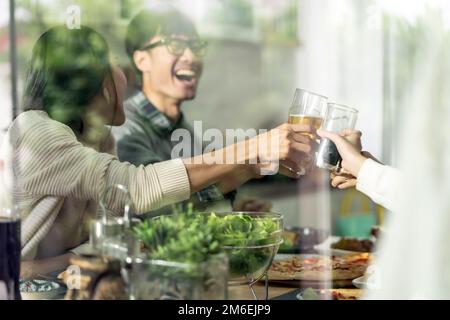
(319, 268)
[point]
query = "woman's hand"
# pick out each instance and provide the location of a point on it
(342, 180)
(348, 143)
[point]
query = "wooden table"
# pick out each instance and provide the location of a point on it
(244, 292)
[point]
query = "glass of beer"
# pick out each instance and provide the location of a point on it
(338, 117)
(307, 108)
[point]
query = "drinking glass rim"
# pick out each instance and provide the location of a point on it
(253, 214)
(312, 92)
(342, 107)
(273, 216)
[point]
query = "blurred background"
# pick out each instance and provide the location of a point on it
(361, 53)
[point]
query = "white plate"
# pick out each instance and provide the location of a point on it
(41, 289)
(365, 282)
(360, 282)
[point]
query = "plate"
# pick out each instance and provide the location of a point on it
(365, 282)
(326, 249)
(36, 289)
(360, 282)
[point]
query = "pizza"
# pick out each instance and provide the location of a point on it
(343, 294)
(319, 268)
(330, 294)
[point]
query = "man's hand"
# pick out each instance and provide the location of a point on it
(293, 148)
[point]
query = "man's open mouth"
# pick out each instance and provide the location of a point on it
(185, 74)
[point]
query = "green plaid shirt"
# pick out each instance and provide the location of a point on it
(146, 138)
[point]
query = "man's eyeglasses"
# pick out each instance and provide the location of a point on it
(178, 46)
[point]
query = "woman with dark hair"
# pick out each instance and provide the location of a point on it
(63, 154)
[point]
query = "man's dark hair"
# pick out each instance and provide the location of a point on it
(67, 70)
(162, 20)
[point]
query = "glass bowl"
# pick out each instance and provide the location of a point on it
(251, 245)
(150, 279)
(250, 240)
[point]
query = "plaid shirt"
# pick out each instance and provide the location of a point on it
(146, 138)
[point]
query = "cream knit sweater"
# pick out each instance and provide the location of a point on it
(383, 184)
(58, 182)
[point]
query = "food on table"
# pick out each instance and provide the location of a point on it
(193, 237)
(330, 294)
(343, 294)
(38, 285)
(320, 268)
(352, 244)
(34, 289)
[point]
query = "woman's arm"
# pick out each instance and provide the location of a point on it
(381, 183)
(36, 269)
(378, 181)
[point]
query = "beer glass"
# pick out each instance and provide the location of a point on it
(338, 117)
(307, 108)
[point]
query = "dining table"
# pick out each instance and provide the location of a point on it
(277, 291)
(243, 292)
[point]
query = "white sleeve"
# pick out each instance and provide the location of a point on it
(380, 182)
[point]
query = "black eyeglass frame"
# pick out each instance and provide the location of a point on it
(199, 49)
